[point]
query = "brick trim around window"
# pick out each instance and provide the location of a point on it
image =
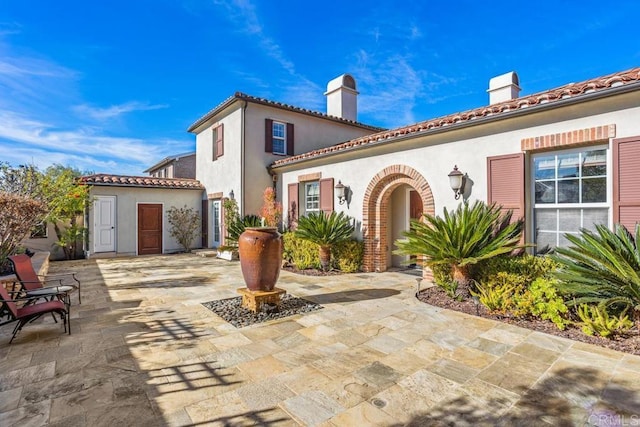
(588, 136)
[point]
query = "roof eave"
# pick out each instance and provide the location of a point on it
(618, 90)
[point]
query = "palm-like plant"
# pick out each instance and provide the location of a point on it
(462, 238)
(236, 228)
(601, 267)
(325, 231)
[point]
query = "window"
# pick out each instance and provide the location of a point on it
(39, 231)
(312, 196)
(570, 193)
(279, 138)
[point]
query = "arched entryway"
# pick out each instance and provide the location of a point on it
(377, 234)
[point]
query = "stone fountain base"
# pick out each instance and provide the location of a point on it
(256, 300)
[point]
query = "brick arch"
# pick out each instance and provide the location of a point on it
(375, 207)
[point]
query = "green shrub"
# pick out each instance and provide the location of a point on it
(441, 274)
(301, 253)
(348, 255)
(597, 321)
(498, 294)
(529, 266)
(541, 300)
(498, 297)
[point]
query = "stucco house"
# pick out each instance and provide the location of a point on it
(237, 141)
(563, 159)
(177, 166)
(128, 215)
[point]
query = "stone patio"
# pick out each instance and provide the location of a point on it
(144, 351)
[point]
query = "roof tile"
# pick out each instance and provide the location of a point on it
(140, 181)
(548, 97)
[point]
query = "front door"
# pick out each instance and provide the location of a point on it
(215, 229)
(149, 228)
(104, 224)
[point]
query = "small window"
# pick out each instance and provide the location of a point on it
(279, 138)
(312, 196)
(39, 231)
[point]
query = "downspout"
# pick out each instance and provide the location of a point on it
(242, 157)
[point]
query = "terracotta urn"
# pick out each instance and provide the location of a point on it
(260, 257)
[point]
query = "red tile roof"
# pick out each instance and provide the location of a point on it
(141, 181)
(244, 97)
(547, 98)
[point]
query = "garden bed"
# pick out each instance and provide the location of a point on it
(435, 296)
(312, 271)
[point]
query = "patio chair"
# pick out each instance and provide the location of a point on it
(30, 311)
(35, 285)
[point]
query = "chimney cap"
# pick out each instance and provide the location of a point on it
(344, 81)
(504, 80)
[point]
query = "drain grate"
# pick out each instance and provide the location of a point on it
(378, 403)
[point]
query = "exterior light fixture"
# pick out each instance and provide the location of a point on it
(456, 180)
(232, 196)
(341, 191)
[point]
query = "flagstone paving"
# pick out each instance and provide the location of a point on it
(145, 351)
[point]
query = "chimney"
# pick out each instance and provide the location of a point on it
(504, 87)
(342, 98)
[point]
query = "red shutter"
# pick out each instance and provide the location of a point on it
(326, 195)
(505, 179)
(626, 182)
(268, 135)
(220, 140)
(292, 214)
(205, 221)
(290, 139)
(214, 145)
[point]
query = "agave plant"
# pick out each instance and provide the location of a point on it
(601, 267)
(462, 238)
(325, 231)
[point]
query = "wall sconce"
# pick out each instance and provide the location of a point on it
(232, 196)
(341, 192)
(456, 180)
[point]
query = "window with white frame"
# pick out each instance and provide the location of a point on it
(279, 138)
(312, 196)
(570, 193)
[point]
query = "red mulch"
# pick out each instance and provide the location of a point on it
(437, 297)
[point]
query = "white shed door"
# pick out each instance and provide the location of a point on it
(104, 211)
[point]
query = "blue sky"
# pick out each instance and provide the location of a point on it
(112, 86)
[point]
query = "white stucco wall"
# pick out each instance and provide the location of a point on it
(225, 174)
(127, 200)
(434, 156)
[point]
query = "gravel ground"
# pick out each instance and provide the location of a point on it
(437, 297)
(232, 311)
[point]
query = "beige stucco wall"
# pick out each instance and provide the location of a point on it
(434, 156)
(127, 200)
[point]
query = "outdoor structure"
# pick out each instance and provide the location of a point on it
(241, 137)
(128, 213)
(563, 159)
(178, 166)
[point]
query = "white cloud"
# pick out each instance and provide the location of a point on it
(116, 110)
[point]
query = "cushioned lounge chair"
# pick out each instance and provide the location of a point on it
(35, 285)
(29, 311)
